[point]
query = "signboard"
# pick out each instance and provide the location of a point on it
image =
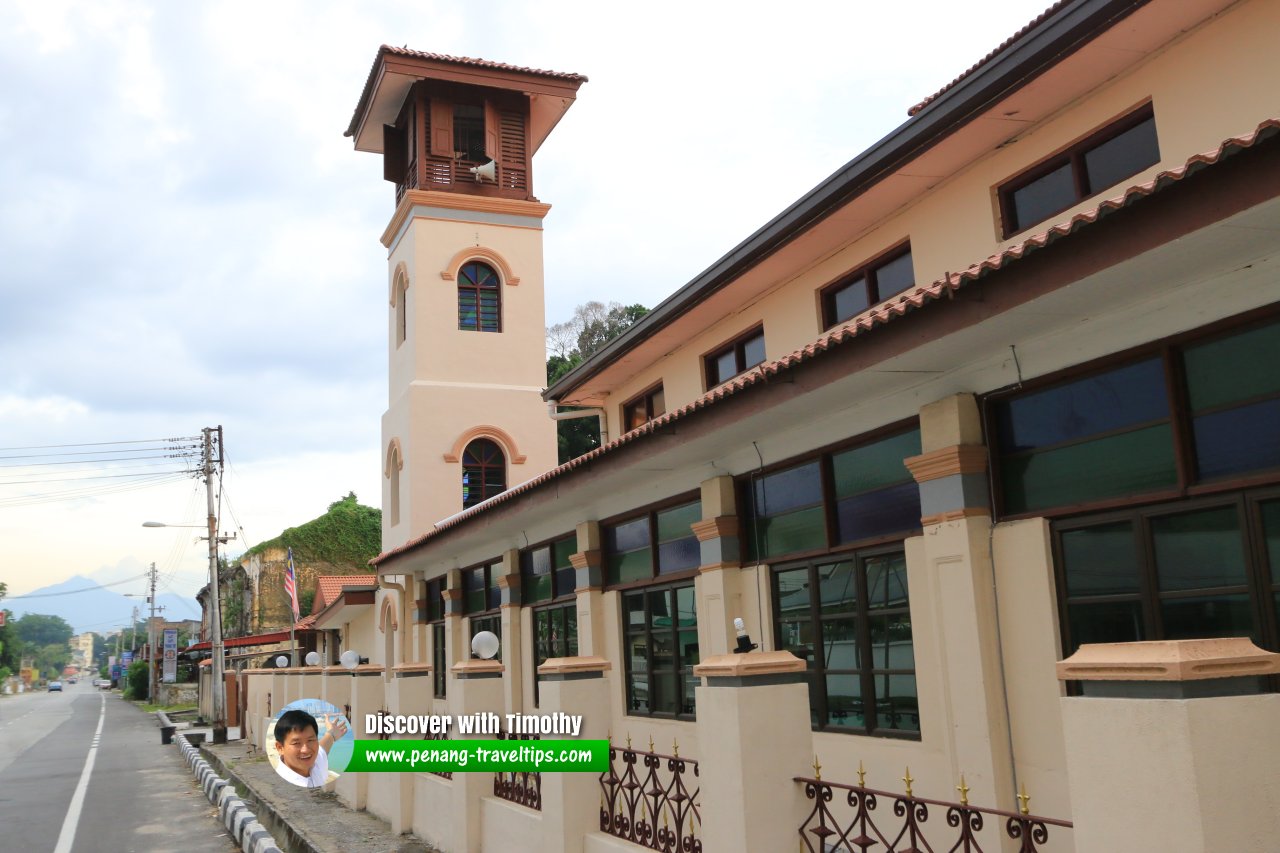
(170, 672)
(126, 658)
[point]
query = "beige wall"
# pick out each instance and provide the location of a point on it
(430, 407)
(1195, 85)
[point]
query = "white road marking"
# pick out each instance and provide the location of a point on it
(68, 834)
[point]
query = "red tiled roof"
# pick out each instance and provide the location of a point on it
(456, 60)
(1004, 45)
(329, 587)
(865, 322)
(253, 640)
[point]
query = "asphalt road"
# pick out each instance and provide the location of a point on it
(83, 771)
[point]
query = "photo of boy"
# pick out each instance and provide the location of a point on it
(304, 755)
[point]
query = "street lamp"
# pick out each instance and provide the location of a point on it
(215, 617)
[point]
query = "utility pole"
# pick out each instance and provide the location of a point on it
(133, 629)
(215, 605)
(151, 641)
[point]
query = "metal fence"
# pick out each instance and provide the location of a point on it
(645, 798)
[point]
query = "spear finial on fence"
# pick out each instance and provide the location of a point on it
(964, 791)
(862, 775)
(1024, 800)
(908, 780)
(651, 743)
(675, 748)
(817, 768)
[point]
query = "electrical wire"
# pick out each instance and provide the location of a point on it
(100, 443)
(75, 591)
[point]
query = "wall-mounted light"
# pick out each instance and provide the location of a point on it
(313, 659)
(744, 639)
(351, 659)
(485, 645)
(282, 661)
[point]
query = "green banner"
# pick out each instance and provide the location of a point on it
(480, 756)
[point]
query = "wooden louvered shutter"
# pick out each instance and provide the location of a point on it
(492, 143)
(394, 154)
(513, 158)
(441, 128)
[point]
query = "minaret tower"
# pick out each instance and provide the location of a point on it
(465, 309)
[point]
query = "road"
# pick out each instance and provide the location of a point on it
(83, 771)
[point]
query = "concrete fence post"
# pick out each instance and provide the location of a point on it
(476, 688)
(754, 737)
(571, 801)
(1172, 747)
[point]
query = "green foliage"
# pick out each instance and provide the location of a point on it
(38, 630)
(347, 534)
(306, 598)
(135, 682)
(571, 343)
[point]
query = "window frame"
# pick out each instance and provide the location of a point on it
(645, 399)
(569, 642)
(1257, 584)
(434, 589)
(737, 346)
(745, 488)
(490, 589)
(866, 271)
(678, 658)
(863, 615)
(1072, 155)
(466, 285)
(650, 513)
(1170, 350)
(482, 467)
(558, 596)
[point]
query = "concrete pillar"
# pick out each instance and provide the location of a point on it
(753, 726)
(720, 593)
(570, 801)
(588, 565)
(408, 693)
(955, 569)
(512, 631)
(1173, 748)
(367, 697)
(476, 687)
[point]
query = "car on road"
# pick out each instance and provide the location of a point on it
(55, 686)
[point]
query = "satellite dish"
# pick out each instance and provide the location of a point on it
(313, 659)
(281, 661)
(484, 645)
(350, 659)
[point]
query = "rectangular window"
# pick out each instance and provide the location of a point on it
(468, 133)
(1182, 417)
(660, 638)
(849, 618)
(480, 591)
(657, 543)
(643, 408)
(735, 357)
(434, 606)
(1118, 151)
(854, 495)
(555, 635)
(855, 292)
(546, 572)
(1172, 571)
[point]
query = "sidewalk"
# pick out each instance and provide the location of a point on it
(301, 820)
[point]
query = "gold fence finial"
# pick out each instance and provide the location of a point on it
(628, 740)
(908, 780)
(1024, 800)
(862, 775)
(651, 743)
(675, 748)
(817, 768)
(964, 791)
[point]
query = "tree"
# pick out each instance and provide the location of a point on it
(9, 661)
(572, 342)
(39, 630)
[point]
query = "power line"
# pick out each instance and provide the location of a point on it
(102, 443)
(75, 591)
(91, 491)
(85, 479)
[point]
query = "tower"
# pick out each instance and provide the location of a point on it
(465, 319)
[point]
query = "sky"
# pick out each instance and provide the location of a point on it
(187, 240)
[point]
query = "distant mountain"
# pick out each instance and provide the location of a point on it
(96, 609)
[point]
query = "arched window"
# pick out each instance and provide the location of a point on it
(484, 471)
(394, 464)
(402, 312)
(479, 300)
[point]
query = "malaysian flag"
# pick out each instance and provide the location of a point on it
(291, 586)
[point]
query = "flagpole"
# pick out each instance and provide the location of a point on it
(292, 582)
